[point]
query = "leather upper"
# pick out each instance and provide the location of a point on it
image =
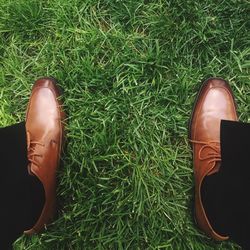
(44, 141)
(215, 102)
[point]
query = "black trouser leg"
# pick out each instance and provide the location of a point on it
(22, 195)
(235, 151)
(226, 194)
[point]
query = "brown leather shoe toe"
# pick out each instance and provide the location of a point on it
(214, 103)
(45, 132)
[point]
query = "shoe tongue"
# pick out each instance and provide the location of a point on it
(215, 169)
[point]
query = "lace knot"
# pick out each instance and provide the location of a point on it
(32, 150)
(209, 151)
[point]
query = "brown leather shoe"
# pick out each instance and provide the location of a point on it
(214, 103)
(45, 132)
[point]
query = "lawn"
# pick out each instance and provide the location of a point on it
(130, 71)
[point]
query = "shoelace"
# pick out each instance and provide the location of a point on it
(214, 154)
(31, 147)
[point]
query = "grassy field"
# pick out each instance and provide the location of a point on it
(130, 71)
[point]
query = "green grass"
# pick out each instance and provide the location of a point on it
(130, 71)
